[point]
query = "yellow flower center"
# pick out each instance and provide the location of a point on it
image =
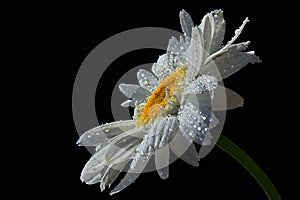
(158, 100)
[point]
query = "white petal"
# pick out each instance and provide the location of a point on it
(202, 102)
(169, 128)
(131, 175)
(202, 83)
(185, 149)
(101, 134)
(162, 162)
(152, 139)
(128, 89)
(237, 33)
(218, 24)
(163, 67)
(119, 150)
(207, 34)
(173, 45)
(140, 95)
(233, 100)
(228, 45)
(195, 54)
(229, 62)
(186, 23)
(147, 80)
(128, 103)
(192, 124)
(114, 173)
(123, 148)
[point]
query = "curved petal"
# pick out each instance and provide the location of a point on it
(102, 134)
(229, 62)
(111, 174)
(131, 175)
(162, 162)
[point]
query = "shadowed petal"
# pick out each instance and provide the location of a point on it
(185, 149)
(233, 100)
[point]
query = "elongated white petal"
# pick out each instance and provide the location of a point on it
(238, 63)
(207, 31)
(170, 128)
(195, 54)
(218, 24)
(131, 175)
(185, 149)
(186, 23)
(101, 134)
(113, 174)
(147, 80)
(173, 45)
(128, 103)
(237, 33)
(230, 43)
(162, 162)
(229, 62)
(233, 100)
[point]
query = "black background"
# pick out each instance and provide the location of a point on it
(44, 48)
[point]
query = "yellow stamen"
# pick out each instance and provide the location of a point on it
(158, 99)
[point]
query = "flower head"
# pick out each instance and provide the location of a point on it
(173, 106)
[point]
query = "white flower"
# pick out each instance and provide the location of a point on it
(166, 116)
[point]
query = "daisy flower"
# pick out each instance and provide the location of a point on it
(173, 105)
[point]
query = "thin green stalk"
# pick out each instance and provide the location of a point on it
(239, 155)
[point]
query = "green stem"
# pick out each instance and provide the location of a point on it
(239, 155)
